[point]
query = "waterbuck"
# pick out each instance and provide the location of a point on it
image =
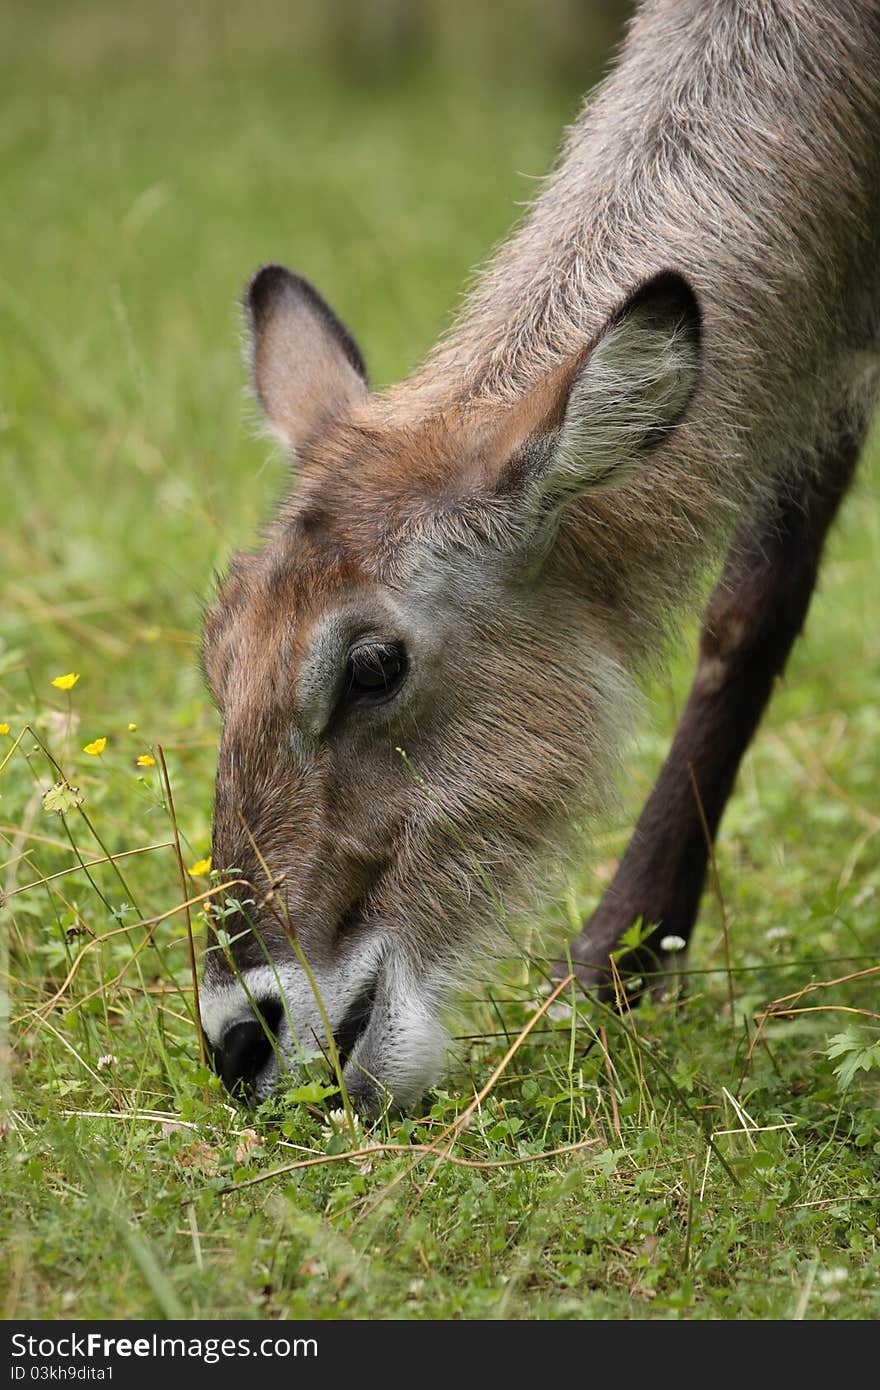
(425, 673)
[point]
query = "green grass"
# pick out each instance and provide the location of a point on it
(141, 182)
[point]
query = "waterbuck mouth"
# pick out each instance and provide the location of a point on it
(356, 1021)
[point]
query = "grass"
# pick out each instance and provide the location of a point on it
(683, 1162)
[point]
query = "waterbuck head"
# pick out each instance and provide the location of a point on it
(420, 677)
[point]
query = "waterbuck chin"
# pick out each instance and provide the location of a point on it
(425, 673)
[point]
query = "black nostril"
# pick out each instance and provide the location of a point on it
(244, 1050)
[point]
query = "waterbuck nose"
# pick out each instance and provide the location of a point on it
(245, 1048)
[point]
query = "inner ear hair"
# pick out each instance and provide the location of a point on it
(627, 393)
(669, 322)
(306, 366)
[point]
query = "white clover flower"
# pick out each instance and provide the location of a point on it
(673, 943)
(108, 1060)
(338, 1124)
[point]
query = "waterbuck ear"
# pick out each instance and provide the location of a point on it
(307, 368)
(605, 411)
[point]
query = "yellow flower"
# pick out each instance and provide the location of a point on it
(200, 867)
(4, 728)
(146, 760)
(96, 748)
(66, 682)
(131, 728)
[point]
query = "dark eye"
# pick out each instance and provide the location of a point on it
(376, 670)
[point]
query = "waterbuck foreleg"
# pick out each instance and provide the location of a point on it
(753, 617)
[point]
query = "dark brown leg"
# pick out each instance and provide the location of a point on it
(752, 619)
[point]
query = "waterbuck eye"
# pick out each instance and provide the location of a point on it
(376, 670)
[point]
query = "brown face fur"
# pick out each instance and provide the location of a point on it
(381, 832)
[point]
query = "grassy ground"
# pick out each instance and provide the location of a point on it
(143, 175)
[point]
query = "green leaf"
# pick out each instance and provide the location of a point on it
(859, 1051)
(632, 938)
(312, 1092)
(62, 798)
